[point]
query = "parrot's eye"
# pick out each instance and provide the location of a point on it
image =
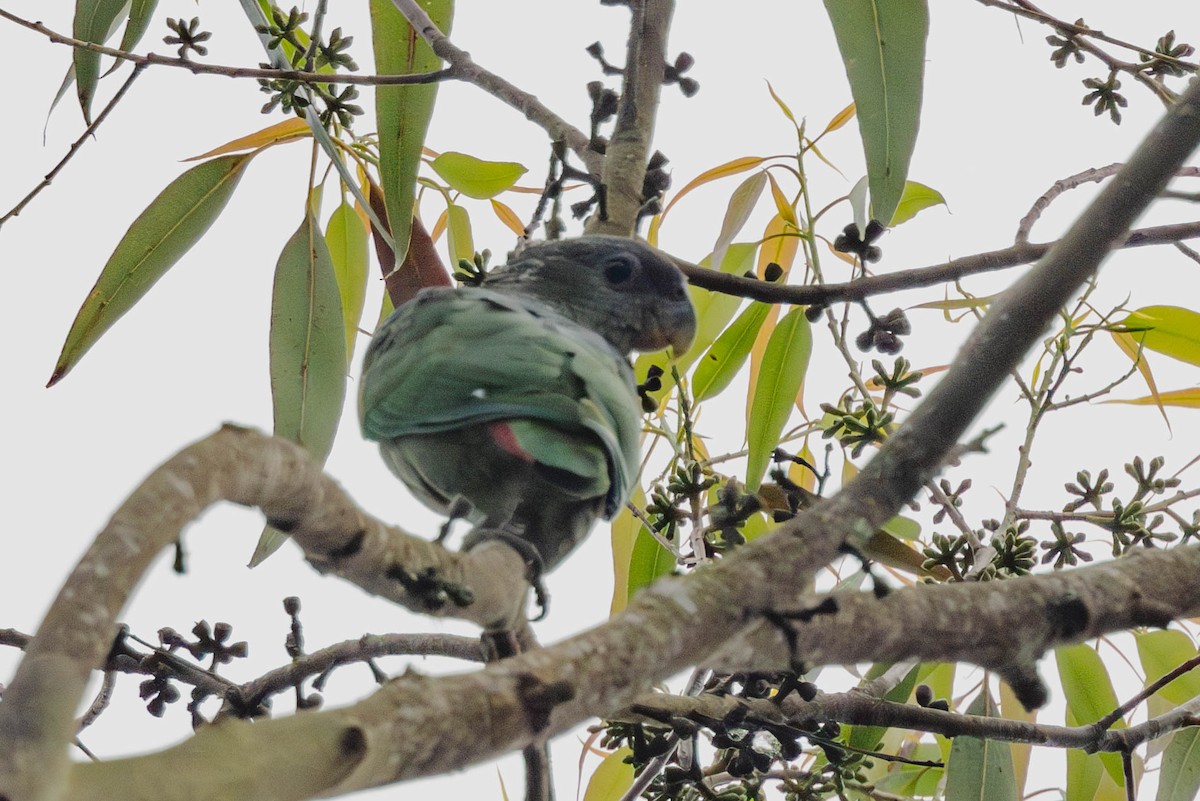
(619, 269)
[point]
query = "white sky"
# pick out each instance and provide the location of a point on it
(1000, 125)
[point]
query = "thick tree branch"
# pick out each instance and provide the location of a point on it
(628, 149)
(465, 68)
(671, 625)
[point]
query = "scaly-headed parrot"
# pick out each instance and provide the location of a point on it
(515, 399)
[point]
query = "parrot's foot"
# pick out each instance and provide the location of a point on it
(784, 621)
(432, 590)
(460, 507)
(534, 566)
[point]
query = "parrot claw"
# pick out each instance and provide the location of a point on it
(535, 567)
(459, 508)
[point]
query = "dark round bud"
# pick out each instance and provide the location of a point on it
(864, 340)
(684, 62)
(773, 272)
(875, 229)
(291, 605)
(813, 313)
(807, 690)
(924, 694)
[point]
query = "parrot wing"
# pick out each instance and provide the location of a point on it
(454, 358)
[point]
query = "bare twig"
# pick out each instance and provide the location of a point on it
(74, 148)
(465, 68)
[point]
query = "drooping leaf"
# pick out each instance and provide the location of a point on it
(625, 528)
(508, 217)
(170, 225)
(307, 353)
(1131, 348)
(783, 207)
(95, 21)
(308, 343)
(958, 303)
(648, 562)
(1169, 330)
(475, 177)
(1160, 652)
(1089, 694)
(916, 198)
(980, 768)
(346, 238)
(291, 128)
(612, 779)
(882, 43)
(784, 364)
(733, 167)
(1013, 709)
(741, 204)
(460, 241)
(718, 366)
(1186, 398)
(1179, 778)
(140, 14)
(867, 737)
(403, 112)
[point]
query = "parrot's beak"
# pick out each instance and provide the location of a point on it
(674, 326)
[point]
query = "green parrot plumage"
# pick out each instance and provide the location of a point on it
(517, 396)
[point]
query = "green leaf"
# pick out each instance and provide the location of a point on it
(346, 238)
(308, 353)
(308, 343)
(458, 234)
(728, 354)
(1161, 652)
(902, 527)
(1089, 694)
(475, 177)
(916, 198)
(140, 14)
(648, 562)
(868, 737)
(978, 768)
(1171, 331)
(95, 22)
(612, 779)
(167, 229)
(783, 366)
(402, 112)
(1179, 779)
(882, 43)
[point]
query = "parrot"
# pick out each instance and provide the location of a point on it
(513, 403)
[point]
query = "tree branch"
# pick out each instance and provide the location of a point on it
(303, 76)
(628, 149)
(465, 68)
(826, 294)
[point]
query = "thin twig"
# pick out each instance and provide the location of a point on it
(74, 148)
(302, 76)
(465, 68)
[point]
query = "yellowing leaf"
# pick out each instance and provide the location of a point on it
(508, 217)
(1185, 398)
(1170, 330)
(841, 118)
(882, 43)
(916, 198)
(741, 204)
(346, 238)
(1129, 346)
(157, 239)
(613, 777)
(291, 128)
(625, 528)
(475, 177)
(733, 167)
(957, 303)
(782, 205)
(782, 372)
